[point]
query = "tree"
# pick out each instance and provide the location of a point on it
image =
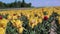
(16, 4)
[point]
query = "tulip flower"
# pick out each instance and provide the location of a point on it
(45, 18)
(0, 17)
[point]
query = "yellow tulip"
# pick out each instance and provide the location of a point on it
(2, 31)
(40, 20)
(17, 23)
(36, 20)
(20, 30)
(33, 22)
(14, 17)
(9, 17)
(3, 23)
(59, 20)
(13, 22)
(32, 25)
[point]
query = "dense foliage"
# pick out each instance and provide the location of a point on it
(16, 4)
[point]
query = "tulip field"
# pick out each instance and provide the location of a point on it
(29, 21)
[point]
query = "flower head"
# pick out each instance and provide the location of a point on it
(45, 18)
(0, 17)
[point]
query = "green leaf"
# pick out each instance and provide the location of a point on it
(10, 29)
(32, 32)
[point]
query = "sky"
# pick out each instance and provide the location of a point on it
(38, 3)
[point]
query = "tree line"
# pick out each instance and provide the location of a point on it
(16, 4)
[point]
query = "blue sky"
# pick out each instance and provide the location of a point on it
(38, 3)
